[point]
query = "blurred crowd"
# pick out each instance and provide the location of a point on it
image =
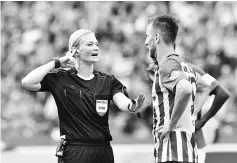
(34, 32)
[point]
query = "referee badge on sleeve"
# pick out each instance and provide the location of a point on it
(174, 74)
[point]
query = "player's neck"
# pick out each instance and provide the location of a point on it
(163, 52)
(85, 70)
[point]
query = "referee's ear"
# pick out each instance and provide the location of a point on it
(74, 51)
(77, 54)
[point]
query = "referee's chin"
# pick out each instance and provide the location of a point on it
(94, 60)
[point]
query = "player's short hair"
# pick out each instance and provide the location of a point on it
(76, 37)
(167, 27)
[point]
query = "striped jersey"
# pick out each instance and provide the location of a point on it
(179, 145)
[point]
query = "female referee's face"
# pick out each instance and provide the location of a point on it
(89, 49)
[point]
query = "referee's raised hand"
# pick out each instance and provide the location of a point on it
(140, 100)
(137, 103)
(68, 61)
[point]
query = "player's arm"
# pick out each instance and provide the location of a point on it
(203, 87)
(183, 93)
(175, 80)
(208, 86)
(202, 93)
(221, 95)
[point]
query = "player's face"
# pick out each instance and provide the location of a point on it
(150, 41)
(89, 49)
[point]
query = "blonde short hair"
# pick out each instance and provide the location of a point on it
(76, 37)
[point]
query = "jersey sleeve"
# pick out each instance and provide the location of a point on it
(171, 73)
(117, 86)
(202, 75)
(199, 72)
(210, 81)
(197, 69)
(214, 84)
(48, 82)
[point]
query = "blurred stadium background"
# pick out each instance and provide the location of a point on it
(34, 32)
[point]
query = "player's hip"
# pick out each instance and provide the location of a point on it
(177, 146)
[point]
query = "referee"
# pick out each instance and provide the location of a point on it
(82, 95)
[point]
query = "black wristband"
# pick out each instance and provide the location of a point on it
(57, 62)
(134, 103)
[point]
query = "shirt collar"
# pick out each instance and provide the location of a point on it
(168, 55)
(165, 57)
(74, 71)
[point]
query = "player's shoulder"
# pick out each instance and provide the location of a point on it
(172, 61)
(197, 69)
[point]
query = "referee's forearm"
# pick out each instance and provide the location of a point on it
(122, 101)
(37, 75)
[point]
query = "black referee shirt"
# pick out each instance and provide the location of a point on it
(83, 105)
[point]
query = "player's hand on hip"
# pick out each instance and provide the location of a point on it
(163, 131)
(67, 61)
(199, 124)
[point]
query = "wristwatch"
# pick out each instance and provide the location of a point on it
(57, 62)
(133, 103)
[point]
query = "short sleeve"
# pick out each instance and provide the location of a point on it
(210, 81)
(214, 84)
(117, 86)
(201, 74)
(197, 69)
(48, 82)
(171, 73)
